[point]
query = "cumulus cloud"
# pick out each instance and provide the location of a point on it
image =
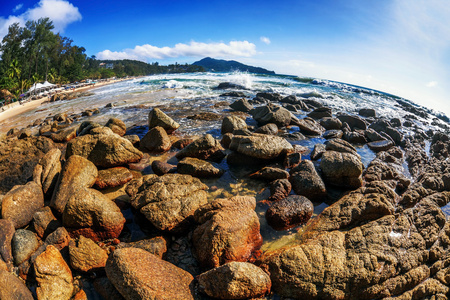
(61, 12)
(18, 7)
(265, 40)
(193, 49)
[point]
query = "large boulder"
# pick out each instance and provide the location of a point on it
(206, 147)
(342, 169)
(157, 118)
(93, 215)
(228, 231)
(306, 181)
(138, 274)
(53, 275)
(292, 211)
(104, 148)
(169, 201)
(77, 173)
(235, 280)
(12, 287)
(272, 114)
(261, 146)
(156, 140)
(18, 159)
(20, 204)
(47, 170)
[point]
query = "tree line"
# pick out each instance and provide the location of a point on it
(34, 53)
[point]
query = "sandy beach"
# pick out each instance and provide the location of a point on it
(21, 108)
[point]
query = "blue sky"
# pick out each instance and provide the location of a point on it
(397, 46)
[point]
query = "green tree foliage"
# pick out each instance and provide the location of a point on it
(35, 53)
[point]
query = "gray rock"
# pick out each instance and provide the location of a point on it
(24, 244)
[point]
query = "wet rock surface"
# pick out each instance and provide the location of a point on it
(289, 212)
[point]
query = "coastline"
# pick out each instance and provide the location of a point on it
(22, 108)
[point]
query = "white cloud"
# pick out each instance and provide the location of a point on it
(432, 84)
(193, 49)
(18, 7)
(265, 40)
(61, 12)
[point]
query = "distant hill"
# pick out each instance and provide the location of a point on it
(220, 65)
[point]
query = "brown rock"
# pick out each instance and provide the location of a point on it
(235, 280)
(77, 173)
(6, 234)
(44, 222)
(93, 215)
(169, 201)
(199, 168)
(231, 123)
(20, 204)
(279, 189)
(160, 168)
(205, 116)
(261, 146)
(18, 159)
(309, 126)
(85, 255)
(156, 246)
(341, 169)
(113, 177)
(53, 275)
(12, 287)
(47, 170)
(292, 211)
(229, 231)
(306, 181)
(206, 148)
(117, 126)
(104, 148)
(270, 174)
(156, 140)
(157, 118)
(64, 136)
(128, 270)
(272, 114)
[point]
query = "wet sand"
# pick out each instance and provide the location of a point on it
(21, 108)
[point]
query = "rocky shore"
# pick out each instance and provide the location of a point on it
(90, 210)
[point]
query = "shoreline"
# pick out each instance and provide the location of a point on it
(22, 108)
